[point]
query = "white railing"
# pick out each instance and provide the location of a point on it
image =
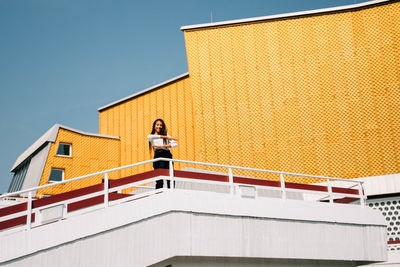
(60, 208)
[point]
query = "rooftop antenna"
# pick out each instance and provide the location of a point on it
(211, 17)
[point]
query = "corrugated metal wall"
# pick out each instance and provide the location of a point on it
(132, 121)
(90, 154)
(316, 94)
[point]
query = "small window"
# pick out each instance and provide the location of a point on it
(64, 150)
(56, 175)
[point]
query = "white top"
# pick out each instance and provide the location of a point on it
(156, 140)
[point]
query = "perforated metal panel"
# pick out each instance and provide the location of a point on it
(313, 94)
(390, 208)
(132, 121)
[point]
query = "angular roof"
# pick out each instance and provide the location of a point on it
(286, 15)
(50, 136)
(184, 75)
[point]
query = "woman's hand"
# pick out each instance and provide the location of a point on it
(168, 137)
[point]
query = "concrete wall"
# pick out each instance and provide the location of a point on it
(182, 223)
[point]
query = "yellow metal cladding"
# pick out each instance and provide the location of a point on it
(315, 94)
(90, 154)
(132, 121)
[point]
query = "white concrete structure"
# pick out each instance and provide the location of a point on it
(192, 228)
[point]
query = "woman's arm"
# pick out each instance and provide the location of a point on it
(168, 137)
(153, 136)
(170, 145)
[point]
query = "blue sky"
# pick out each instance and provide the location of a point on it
(60, 60)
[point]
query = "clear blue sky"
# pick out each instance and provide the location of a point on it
(60, 60)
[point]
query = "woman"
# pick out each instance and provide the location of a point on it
(161, 142)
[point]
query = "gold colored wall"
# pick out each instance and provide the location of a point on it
(132, 121)
(317, 94)
(90, 154)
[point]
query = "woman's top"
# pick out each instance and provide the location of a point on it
(156, 140)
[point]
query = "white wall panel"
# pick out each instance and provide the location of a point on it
(183, 223)
(35, 169)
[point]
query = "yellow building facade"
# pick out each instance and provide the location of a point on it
(313, 93)
(90, 154)
(132, 120)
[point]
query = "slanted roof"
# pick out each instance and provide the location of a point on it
(184, 75)
(50, 136)
(286, 15)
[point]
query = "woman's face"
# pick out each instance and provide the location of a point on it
(158, 127)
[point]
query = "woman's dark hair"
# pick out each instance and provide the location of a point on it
(163, 130)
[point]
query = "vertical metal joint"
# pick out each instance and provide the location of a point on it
(106, 190)
(231, 185)
(171, 174)
(29, 211)
(330, 193)
(283, 188)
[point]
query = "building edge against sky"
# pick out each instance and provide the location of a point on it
(313, 92)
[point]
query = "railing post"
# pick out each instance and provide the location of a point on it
(106, 190)
(283, 186)
(231, 185)
(29, 211)
(328, 181)
(361, 194)
(171, 174)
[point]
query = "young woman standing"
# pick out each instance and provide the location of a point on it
(161, 142)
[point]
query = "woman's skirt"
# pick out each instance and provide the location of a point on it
(162, 153)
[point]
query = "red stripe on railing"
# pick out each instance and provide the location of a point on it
(345, 190)
(15, 222)
(85, 203)
(94, 201)
(310, 187)
(321, 188)
(67, 195)
(138, 177)
(392, 242)
(261, 182)
(201, 176)
(13, 209)
(346, 200)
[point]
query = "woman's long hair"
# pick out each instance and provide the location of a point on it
(162, 132)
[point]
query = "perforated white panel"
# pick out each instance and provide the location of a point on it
(390, 208)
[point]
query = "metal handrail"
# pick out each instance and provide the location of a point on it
(77, 178)
(105, 192)
(174, 160)
(259, 170)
